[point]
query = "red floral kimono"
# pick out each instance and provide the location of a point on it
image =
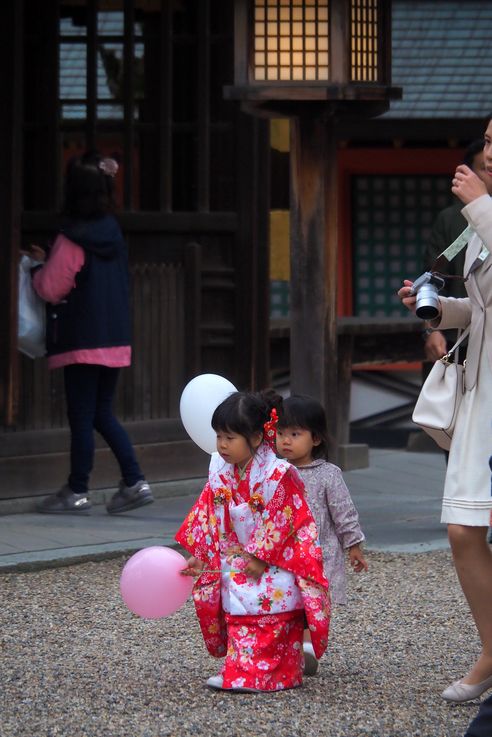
(258, 625)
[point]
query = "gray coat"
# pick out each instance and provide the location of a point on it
(336, 519)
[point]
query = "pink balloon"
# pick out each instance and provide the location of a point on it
(151, 584)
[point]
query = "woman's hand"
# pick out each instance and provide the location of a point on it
(194, 567)
(35, 252)
(404, 294)
(435, 346)
(255, 568)
(467, 185)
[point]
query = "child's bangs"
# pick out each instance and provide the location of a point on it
(226, 417)
(293, 416)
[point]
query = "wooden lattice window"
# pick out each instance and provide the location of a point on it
(138, 80)
(364, 40)
(393, 217)
(291, 40)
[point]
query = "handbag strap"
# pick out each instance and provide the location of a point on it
(461, 338)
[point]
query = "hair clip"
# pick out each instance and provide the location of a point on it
(270, 429)
(109, 167)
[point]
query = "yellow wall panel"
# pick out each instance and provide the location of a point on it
(279, 245)
(280, 134)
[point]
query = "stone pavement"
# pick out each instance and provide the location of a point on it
(398, 498)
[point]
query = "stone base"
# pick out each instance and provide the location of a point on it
(160, 489)
(36, 463)
(353, 456)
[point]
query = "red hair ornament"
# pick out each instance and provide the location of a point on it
(270, 429)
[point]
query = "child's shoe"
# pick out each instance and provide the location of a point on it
(310, 662)
(217, 683)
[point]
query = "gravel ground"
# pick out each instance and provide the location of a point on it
(75, 662)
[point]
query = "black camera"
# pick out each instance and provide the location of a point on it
(426, 288)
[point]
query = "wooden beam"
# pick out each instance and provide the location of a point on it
(241, 44)
(10, 204)
(203, 107)
(344, 382)
(251, 261)
(149, 222)
(340, 42)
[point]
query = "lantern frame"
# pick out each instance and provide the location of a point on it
(349, 30)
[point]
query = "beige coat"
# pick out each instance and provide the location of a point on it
(477, 307)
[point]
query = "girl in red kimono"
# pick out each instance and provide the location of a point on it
(255, 551)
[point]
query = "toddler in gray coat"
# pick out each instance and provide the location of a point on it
(302, 440)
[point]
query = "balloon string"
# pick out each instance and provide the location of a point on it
(219, 570)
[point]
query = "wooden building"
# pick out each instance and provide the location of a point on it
(202, 192)
(141, 80)
(394, 174)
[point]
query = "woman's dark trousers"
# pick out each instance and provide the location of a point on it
(89, 391)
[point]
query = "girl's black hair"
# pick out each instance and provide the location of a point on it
(89, 192)
(245, 413)
(306, 413)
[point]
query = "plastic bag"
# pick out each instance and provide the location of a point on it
(31, 333)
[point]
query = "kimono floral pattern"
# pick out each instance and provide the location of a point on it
(265, 515)
(264, 652)
(336, 519)
(275, 592)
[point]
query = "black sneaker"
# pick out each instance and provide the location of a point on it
(130, 497)
(65, 501)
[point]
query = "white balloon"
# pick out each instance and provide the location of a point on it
(199, 400)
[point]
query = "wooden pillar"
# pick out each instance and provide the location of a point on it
(313, 351)
(345, 348)
(10, 202)
(252, 278)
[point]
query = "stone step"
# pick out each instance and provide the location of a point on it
(26, 478)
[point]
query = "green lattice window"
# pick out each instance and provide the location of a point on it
(392, 219)
(279, 298)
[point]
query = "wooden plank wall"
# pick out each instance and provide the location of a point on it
(151, 388)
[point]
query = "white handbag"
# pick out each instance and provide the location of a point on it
(437, 407)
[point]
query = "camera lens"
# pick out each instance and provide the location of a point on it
(427, 304)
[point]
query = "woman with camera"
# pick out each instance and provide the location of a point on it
(467, 491)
